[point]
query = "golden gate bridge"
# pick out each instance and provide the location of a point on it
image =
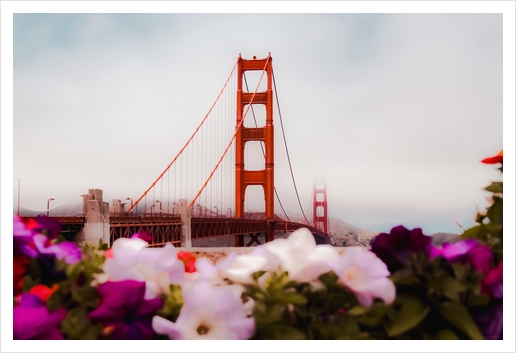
(226, 167)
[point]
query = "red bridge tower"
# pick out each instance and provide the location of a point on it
(320, 207)
(265, 134)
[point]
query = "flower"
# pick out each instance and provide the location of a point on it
(494, 159)
(48, 226)
(492, 283)
(143, 235)
(208, 313)
(240, 267)
(125, 311)
(32, 320)
(300, 256)
(20, 265)
(365, 275)
(188, 259)
(22, 238)
(158, 268)
(489, 320)
(395, 248)
(43, 292)
(66, 250)
(206, 268)
(466, 251)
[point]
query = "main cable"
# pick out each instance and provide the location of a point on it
(263, 151)
(286, 147)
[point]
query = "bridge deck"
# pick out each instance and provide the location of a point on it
(167, 228)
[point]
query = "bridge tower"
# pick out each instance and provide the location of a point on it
(320, 207)
(264, 134)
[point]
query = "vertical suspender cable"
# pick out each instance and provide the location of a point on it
(286, 147)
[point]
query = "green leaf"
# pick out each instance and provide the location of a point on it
(446, 335)
(495, 187)
(478, 300)
(256, 275)
(458, 316)
(448, 284)
(413, 311)
(357, 310)
(291, 298)
(76, 325)
(374, 315)
(283, 332)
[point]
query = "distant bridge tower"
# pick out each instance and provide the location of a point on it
(320, 207)
(264, 134)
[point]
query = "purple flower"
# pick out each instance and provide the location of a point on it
(48, 226)
(395, 248)
(22, 238)
(143, 235)
(467, 251)
(489, 320)
(66, 250)
(32, 320)
(124, 309)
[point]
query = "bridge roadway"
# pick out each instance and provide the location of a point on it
(166, 228)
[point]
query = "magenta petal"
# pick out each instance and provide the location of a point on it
(29, 300)
(149, 307)
(143, 235)
(67, 250)
(124, 307)
(128, 293)
(31, 323)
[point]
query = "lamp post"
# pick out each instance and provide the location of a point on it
(217, 211)
(229, 209)
(198, 210)
(130, 199)
(48, 205)
(18, 195)
(250, 215)
(152, 209)
(159, 206)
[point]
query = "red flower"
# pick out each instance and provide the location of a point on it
(188, 259)
(20, 265)
(495, 159)
(42, 291)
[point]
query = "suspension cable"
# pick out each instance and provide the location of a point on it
(232, 139)
(190, 139)
(263, 151)
(286, 147)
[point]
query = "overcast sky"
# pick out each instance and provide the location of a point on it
(394, 111)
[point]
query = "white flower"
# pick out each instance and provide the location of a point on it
(364, 274)
(208, 313)
(243, 266)
(158, 268)
(304, 260)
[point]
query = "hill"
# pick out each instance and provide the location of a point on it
(345, 234)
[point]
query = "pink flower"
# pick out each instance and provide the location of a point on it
(466, 251)
(492, 283)
(364, 274)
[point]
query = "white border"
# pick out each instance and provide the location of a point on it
(8, 8)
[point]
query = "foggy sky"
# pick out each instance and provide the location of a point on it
(394, 111)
